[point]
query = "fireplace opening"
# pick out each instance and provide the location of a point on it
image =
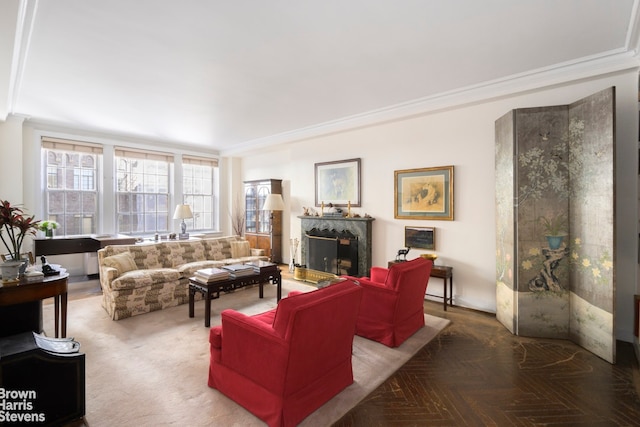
(332, 251)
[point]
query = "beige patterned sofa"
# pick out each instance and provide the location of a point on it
(140, 278)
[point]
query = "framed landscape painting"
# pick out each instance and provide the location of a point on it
(424, 193)
(338, 183)
(420, 237)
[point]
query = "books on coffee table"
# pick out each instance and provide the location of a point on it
(262, 266)
(212, 274)
(239, 270)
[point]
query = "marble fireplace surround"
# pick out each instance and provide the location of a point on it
(360, 227)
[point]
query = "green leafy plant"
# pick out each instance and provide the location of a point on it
(48, 225)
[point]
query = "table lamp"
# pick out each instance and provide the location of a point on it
(273, 203)
(182, 212)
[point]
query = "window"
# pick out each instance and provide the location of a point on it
(73, 183)
(71, 169)
(198, 191)
(142, 191)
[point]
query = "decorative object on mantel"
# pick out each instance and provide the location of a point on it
(424, 193)
(332, 211)
(309, 211)
(47, 227)
(14, 227)
(338, 182)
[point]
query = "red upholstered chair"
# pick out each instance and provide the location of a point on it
(392, 307)
(284, 364)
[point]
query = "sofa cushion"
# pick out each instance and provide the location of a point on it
(146, 256)
(240, 249)
(122, 262)
(179, 253)
(140, 278)
(213, 249)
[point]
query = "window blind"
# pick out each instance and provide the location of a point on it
(143, 154)
(70, 145)
(202, 161)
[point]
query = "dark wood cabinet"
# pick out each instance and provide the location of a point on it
(260, 230)
(51, 385)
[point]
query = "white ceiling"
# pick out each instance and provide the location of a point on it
(231, 75)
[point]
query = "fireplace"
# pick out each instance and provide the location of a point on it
(332, 251)
(336, 245)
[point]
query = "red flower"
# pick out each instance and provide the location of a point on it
(12, 219)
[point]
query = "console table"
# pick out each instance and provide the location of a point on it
(24, 300)
(446, 274)
(78, 244)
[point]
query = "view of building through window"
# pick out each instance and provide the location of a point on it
(198, 193)
(142, 194)
(144, 201)
(71, 189)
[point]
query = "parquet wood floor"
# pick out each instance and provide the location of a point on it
(476, 373)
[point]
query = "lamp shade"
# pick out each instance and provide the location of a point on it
(274, 202)
(182, 212)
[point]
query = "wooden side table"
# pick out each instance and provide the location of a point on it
(446, 274)
(34, 292)
(442, 272)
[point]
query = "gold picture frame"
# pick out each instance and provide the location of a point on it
(425, 193)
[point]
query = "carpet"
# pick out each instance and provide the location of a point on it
(151, 370)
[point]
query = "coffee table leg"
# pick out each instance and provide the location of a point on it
(277, 279)
(207, 309)
(191, 301)
(261, 286)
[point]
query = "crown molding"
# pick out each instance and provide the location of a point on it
(24, 29)
(584, 68)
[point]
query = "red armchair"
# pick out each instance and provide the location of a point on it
(392, 307)
(284, 364)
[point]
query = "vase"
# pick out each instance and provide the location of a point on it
(48, 233)
(554, 241)
(11, 271)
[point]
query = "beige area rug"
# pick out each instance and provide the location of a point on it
(151, 370)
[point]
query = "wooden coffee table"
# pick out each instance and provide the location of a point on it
(268, 272)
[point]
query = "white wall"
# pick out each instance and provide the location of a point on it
(462, 137)
(11, 161)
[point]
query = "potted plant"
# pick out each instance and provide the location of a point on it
(555, 229)
(48, 227)
(14, 227)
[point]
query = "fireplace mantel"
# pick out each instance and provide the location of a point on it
(360, 227)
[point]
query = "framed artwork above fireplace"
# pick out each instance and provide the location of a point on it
(338, 183)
